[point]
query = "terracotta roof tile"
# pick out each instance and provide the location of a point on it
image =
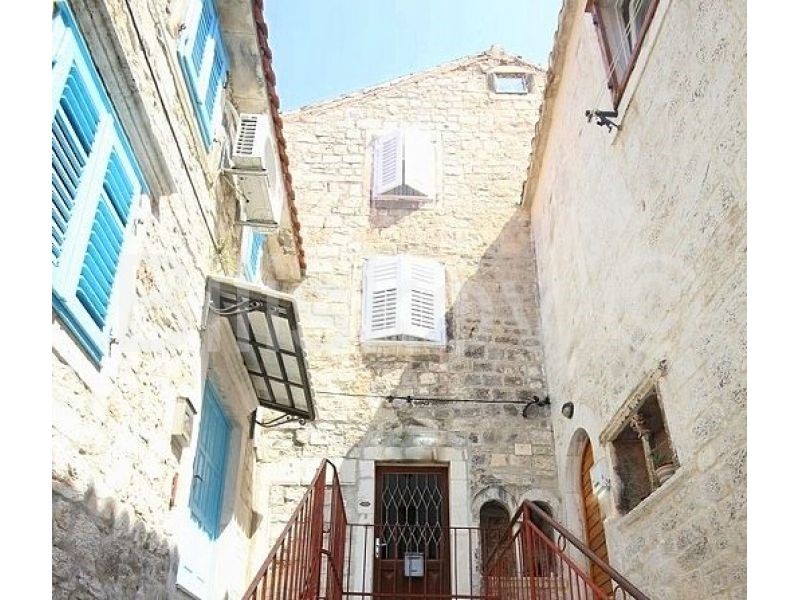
(274, 101)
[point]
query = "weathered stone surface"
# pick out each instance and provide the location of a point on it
(114, 534)
(640, 244)
(639, 239)
(476, 228)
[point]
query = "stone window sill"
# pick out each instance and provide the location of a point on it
(655, 497)
(384, 202)
(403, 348)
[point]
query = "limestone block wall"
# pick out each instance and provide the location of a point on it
(640, 244)
(115, 529)
(477, 228)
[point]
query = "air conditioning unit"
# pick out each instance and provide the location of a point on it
(254, 169)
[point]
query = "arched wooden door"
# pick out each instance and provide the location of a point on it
(494, 520)
(593, 521)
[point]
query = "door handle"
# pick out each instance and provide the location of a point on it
(378, 545)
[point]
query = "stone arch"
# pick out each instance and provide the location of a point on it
(493, 493)
(571, 481)
(545, 496)
(584, 426)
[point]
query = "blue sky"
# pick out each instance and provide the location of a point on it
(325, 48)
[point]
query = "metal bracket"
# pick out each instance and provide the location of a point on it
(282, 420)
(246, 172)
(245, 306)
(535, 402)
(264, 226)
(603, 118)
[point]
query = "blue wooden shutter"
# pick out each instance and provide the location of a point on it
(95, 180)
(210, 463)
(253, 256)
(204, 63)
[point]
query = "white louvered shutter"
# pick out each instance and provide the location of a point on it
(420, 163)
(387, 171)
(424, 299)
(381, 298)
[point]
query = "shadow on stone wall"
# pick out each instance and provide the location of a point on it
(384, 217)
(103, 551)
(494, 353)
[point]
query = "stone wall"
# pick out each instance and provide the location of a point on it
(640, 243)
(476, 227)
(114, 530)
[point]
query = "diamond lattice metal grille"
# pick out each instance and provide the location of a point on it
(411, 504)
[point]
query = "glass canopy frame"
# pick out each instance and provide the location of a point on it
(264, 324)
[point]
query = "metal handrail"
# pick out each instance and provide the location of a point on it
(309, 556)
(615, 575)
(276, 546)
(295, 561)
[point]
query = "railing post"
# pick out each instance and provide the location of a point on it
(528, 554)
(317, 539)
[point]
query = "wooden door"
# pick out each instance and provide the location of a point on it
(412, 520)
(494, 521)
(593, 522)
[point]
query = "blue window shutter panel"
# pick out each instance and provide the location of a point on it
(210, 463)
(94, 180)
(204, 63)
(253, 256)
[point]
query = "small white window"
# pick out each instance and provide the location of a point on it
(404, 167)
(404, 299)
(511, 83)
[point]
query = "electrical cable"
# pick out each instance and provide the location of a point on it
(411, 398)
(161, 100)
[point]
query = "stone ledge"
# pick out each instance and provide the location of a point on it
(403, 348)
(657, 496)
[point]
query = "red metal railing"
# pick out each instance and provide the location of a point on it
(319, 555)
(307, 558)
(449, 562)
(532, 564)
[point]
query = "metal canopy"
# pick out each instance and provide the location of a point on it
(264, 323)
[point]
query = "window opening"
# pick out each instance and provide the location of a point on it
(511, 83)
(645, 457)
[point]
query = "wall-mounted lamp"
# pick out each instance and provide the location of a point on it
(568, 409)
(537, 401)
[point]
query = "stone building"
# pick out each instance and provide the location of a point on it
(470, 319)
(639, 235)
(479, 359)
(149, 101)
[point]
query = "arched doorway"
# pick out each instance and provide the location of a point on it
(494, 520)
(593, 521)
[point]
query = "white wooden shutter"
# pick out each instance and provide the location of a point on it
(420, 163)
(423, 282)
(387, 168)
(381, 298)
